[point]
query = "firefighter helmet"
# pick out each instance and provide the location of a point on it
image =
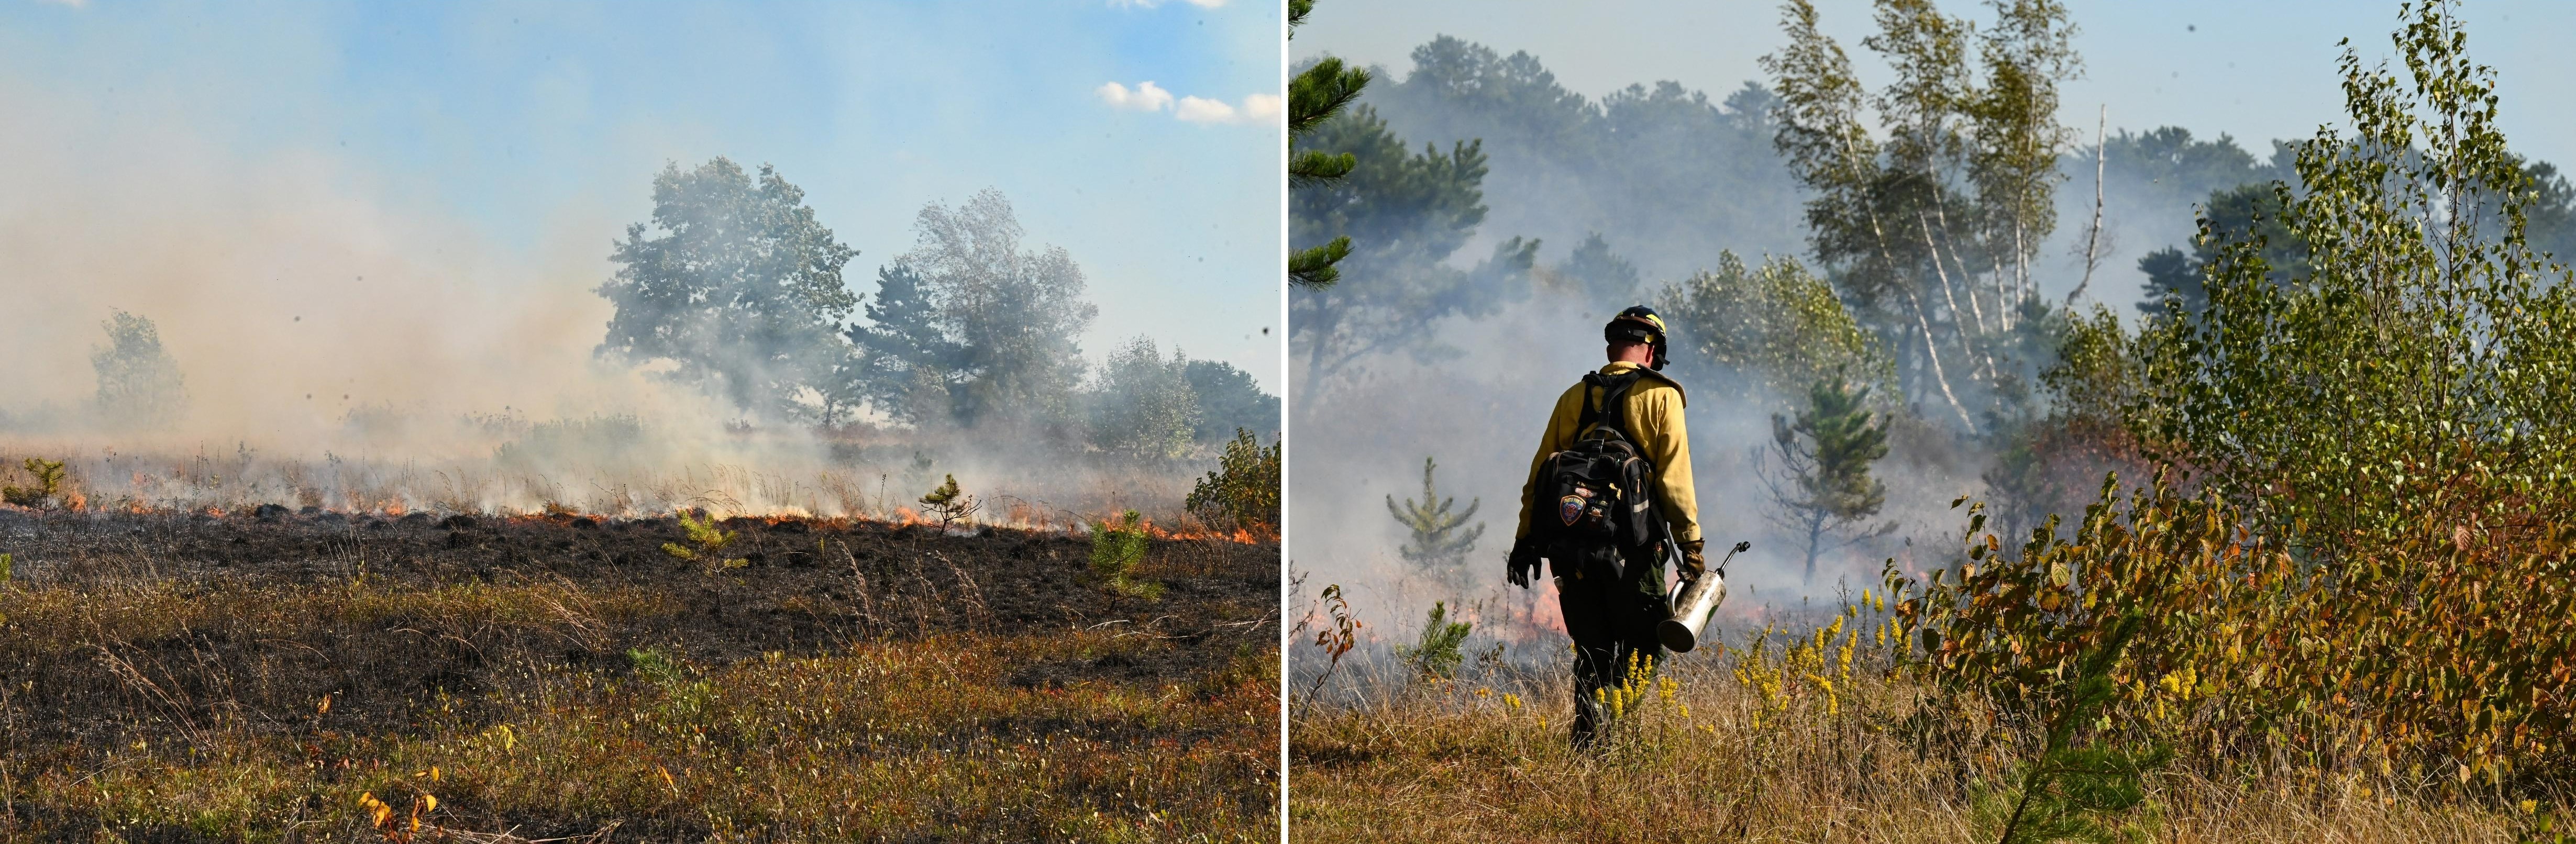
(1638, 325)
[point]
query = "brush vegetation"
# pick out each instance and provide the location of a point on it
(2324, 597)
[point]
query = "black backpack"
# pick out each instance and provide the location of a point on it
(1595, 498)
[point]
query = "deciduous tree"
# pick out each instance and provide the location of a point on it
(139, 384)
(736, 288)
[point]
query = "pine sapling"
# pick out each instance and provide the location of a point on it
(1117, 548)
(1824, 489)
(1436, 657)
(710, 543)
(950, 503)
(49, 484)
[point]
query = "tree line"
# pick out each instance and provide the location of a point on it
(1923, 206)
(733, 286)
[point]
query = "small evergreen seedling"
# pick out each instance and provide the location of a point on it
(710, 542)
(49, 483)
(950, 503)
(683, 695)
(1117, 548)
(1436, 657)
(1441, 539)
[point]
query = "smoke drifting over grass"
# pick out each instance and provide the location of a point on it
(308, 311)
(343, 347)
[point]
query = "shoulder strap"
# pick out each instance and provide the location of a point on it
(1613, 411)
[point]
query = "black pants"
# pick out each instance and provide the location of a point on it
(1612, 619)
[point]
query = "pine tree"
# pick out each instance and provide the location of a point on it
(950, 503)
(1825, 456)
(909, 362)
(1439, 546)
(1315, 96)
(1422, 206)
(1600, 274)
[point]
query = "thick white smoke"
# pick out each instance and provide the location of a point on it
(348, 347)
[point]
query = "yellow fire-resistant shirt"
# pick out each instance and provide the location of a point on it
(1655, 424)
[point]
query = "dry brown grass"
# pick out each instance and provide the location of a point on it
(1707, 754)
(157, 690)
(878, 740)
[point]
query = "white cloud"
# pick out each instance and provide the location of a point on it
(1261, 108)
(1204, 110)
(1146, 97)
(1257, 109)
(83, 4)
(1148, 4)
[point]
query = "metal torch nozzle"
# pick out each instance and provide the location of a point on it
(1696, 603)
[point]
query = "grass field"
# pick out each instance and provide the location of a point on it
(178, 677)
(1784, 746)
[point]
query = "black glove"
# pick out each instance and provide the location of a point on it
(1694, 560)
(1522, 564)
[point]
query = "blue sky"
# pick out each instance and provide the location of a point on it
(534, 130)
(2257, 70)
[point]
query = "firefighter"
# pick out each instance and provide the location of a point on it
(1605, 540)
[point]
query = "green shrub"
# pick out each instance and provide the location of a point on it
(2442, 647)
(2370, 567)
(1244, 490)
